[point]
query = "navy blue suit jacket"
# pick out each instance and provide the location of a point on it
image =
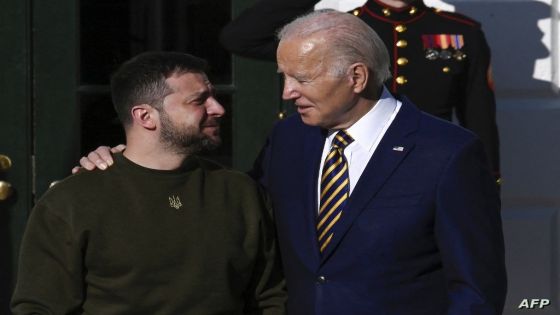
(421, 233)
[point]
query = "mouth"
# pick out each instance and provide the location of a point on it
(211, 124)
(211, 129)
(302, 109)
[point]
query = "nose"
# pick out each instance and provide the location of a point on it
(290, 91)
(214, 108)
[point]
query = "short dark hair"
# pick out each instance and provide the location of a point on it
(141, 80)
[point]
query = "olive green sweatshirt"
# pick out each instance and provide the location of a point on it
(132, 240)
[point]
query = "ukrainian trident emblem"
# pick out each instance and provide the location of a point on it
(175, 202)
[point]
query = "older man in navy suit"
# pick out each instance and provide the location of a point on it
(380, 208)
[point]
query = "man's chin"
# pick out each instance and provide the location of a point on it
(310, 120)
(211, 143)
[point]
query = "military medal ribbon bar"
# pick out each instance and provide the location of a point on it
(443, 46)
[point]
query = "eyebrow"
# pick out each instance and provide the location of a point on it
(197, 95)
(201, 94)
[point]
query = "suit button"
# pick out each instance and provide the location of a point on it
(402, 61)
(402, 43)
(400, 28)
(401, 80)
(321, 279)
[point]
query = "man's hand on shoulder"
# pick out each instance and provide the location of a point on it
(101, 158)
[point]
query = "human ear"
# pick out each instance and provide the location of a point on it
(144, 115)
(359, 75)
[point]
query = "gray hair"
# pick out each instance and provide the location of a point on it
(350, 40)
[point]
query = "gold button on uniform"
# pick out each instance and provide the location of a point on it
(356, 12)
(402, 61)
(412, 11)
(401, 79)
(402, 43)
(446, 69)
(386, 12)
(400, 28)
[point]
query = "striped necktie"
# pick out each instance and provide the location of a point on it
(335, 189)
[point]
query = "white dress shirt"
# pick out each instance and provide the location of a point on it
(367, 132)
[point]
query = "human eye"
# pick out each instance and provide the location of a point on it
(302, 79)
(299, 80)
(201, 98)
(197, 101)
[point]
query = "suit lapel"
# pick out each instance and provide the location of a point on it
(383, 163)
(312, 149)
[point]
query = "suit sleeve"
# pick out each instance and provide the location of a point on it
(262, 164)
(253, 33)
(259, 171)
(469, 234)
(478, 112)
(49, 277)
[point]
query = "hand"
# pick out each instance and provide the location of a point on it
(100, 158)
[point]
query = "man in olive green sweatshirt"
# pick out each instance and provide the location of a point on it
(162, 231)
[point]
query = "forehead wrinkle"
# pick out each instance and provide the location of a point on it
(310, 54)
(301, 56)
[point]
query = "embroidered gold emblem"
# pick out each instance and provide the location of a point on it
(175, 202)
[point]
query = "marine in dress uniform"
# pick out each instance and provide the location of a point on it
(440, 60)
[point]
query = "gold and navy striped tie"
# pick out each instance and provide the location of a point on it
(335, 189)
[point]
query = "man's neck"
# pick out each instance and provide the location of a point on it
(153, 160)
(150, 154)
(365, 102)
(397, 3)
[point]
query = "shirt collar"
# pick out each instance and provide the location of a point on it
(369, 127)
